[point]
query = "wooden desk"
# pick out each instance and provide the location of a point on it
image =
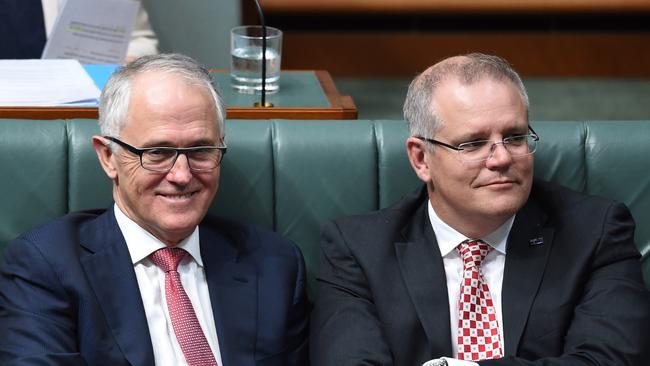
(322, 101)
(453, 6)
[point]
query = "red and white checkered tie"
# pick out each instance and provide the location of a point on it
(478, 328)
(188, 331)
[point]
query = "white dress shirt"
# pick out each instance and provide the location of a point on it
(492, 268)
(143, 39)
(151, 281)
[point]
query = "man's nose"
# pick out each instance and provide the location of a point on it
(499, 155)
(180, 171)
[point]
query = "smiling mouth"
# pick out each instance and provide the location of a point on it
(179, 197)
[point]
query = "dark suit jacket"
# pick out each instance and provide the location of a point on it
(575, 298)
(22, 29)
(69, 296)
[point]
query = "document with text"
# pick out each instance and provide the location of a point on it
(92, 31)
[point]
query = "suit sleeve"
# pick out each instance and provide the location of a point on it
(143, 39)
(345, 326)
(299, 318)
(611, 322)
(36, 318)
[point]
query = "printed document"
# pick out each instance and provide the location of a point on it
(92, 31)
(45, 83)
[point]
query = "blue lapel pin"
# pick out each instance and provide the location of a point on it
(536, 241)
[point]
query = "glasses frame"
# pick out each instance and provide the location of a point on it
(178, 150)
(503, 142)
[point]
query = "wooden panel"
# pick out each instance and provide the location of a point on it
(455, 6)
(561, 54)
(340, 107)
(48, 112)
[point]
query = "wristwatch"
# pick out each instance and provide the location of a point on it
(436, 362)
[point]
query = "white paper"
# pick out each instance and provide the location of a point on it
(45, 83)
(92, 31)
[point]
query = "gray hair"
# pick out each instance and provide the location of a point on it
(116, 95)
(419, 114)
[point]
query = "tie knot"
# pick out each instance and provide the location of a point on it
(167, 259)
(473, 252)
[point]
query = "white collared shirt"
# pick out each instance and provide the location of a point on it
(151, 281)
(492, 268)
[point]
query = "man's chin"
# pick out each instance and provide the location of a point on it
(172, 231)
(172, 238)
(504, 207)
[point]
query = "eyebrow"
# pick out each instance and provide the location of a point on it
(195, 143)
(474, 136)
(467, 137)
(516, 132)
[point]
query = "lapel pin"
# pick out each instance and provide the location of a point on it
(536, 241)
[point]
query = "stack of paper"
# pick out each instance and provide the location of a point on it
(45, 83)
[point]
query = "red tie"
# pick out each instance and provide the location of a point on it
(478, 328)
(188, 331)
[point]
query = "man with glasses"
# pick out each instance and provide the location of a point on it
(483, 265)
(153, 280)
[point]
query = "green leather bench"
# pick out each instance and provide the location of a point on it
(292, 176)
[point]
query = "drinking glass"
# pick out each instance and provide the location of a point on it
(246, 58)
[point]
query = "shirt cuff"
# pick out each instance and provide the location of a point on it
(451, 362)
(457, 362)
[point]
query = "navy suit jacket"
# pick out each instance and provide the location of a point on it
(69, 295)
(572, 287)
(22, 29)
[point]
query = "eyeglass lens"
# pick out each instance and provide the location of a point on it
(200, 159)
(483, 150)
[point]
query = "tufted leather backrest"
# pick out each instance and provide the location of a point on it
(292, 176)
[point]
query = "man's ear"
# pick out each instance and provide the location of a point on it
(105, 156)
(416, 150)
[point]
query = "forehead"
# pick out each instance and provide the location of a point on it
(485, 105)
(164, 101)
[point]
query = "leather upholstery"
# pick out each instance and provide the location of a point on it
(33, 164)
(246, 190)
(292, 176)
(318, 179)
(622, 171)
(88, 185)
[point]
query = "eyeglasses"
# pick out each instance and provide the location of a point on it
(162, 159)
(482, 150)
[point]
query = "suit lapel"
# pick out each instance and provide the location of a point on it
(529, 245)
(232, 283)
(110, 272)
(423, 272)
